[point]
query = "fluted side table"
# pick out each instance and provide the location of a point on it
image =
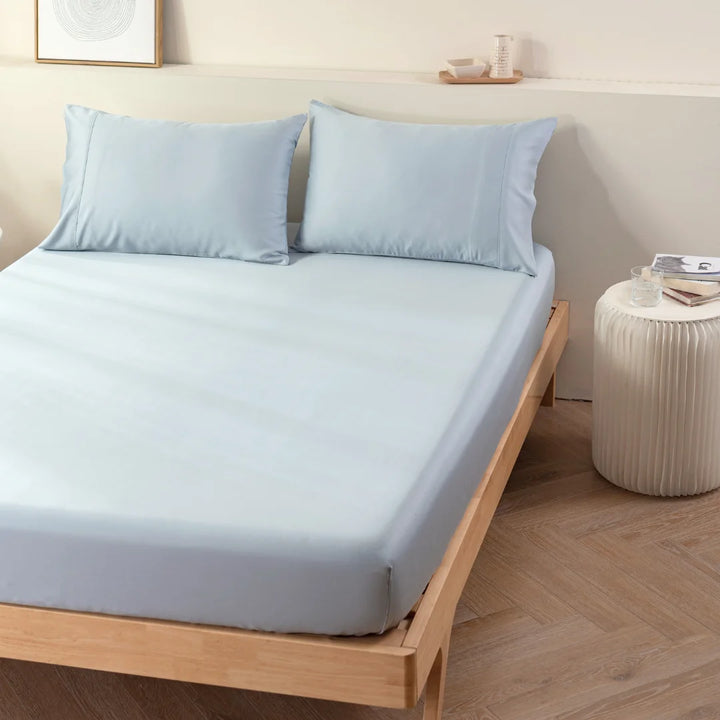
(656, 395)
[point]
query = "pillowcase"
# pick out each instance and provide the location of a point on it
(173, 188)
(463, 193)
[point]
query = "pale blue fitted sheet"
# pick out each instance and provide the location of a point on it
(282, 448)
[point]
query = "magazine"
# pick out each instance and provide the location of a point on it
(689, 267)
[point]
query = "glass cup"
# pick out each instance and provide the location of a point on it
(646, 286)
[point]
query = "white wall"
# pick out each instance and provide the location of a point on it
(646, 40)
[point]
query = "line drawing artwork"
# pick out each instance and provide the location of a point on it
(94, 20)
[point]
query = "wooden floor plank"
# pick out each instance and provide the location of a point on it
(549, 493)
(601, 571)
(494, 572)
(229, 704)
(560, 581)
(482, 597)
(101, 695)
(580, 510)
(495, 630)
(482, 714)
(480, 675)
(651, 526)
(646, 519)
(698, 561)
(690, 695)
(470, 656)
(621, 663)
(162, 700)
(711, 556)
(664, 574)
(463, 613)
(586, 602)
(25, 695)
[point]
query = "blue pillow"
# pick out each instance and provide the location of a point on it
(463, 193)
(172, 188)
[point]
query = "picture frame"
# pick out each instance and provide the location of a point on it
(99, 32)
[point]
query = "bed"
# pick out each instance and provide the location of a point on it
(306, 447)
(228, 463)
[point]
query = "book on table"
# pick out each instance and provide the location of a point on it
(688, 267)
(689, 298)
(696, 287)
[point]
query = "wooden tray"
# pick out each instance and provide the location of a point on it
(484, 79)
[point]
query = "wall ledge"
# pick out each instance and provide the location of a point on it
(613, 87)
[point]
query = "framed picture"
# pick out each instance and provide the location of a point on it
(99, 32)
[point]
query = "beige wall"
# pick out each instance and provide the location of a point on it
(627, 174)
(657, 40)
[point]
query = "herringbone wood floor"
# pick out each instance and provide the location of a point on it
(586, 602)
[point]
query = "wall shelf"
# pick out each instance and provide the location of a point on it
(580, 85)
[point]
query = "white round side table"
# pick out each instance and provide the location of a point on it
(656, 395)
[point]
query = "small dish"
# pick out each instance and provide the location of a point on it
(466, 67)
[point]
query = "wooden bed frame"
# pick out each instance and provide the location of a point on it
(390, 670)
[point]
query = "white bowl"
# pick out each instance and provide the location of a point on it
(466, 67)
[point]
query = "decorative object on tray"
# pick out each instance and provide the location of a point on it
(466, 67)
(501, 66)
(475, 71)
(688, 267)
(99, 32)
(484, 79)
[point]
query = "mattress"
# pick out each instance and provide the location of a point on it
(276, 448)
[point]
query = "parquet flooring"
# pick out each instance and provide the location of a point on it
(586, 603)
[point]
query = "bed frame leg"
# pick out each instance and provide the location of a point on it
(548, 399)
(435, 687)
